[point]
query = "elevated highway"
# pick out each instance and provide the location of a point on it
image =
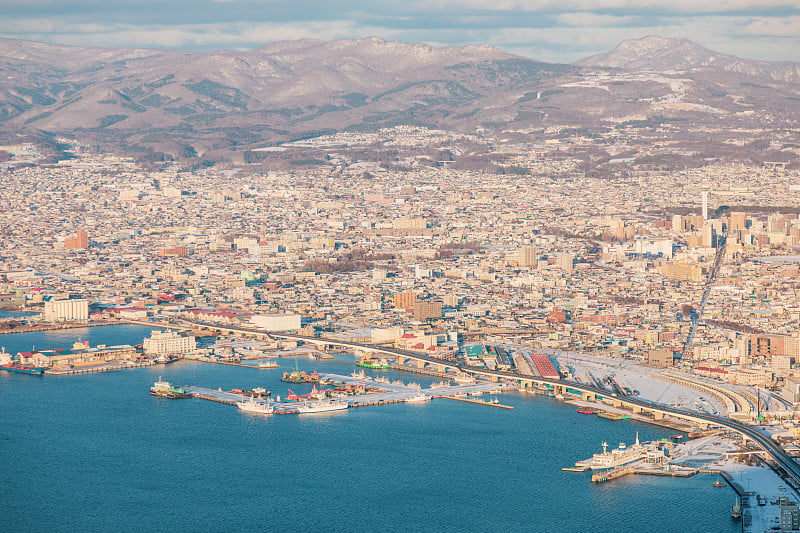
(587, 392)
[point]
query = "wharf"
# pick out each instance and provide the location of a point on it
(229, 363)
(54, 327)
(229, 398)
(101, 368)
(664, 422)
(481, 402)
(424, 371)
(395, 394)
(642, 468)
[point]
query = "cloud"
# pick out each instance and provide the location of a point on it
(552, 30)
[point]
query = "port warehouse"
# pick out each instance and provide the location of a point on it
(64, 357)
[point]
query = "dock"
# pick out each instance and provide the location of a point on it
(642, 468)
(424, 371)
(481, 402)
(395, 393)
(229, 363)
(101, 368)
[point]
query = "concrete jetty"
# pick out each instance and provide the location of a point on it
(395, 393)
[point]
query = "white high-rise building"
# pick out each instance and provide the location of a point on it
(704, 195)
(168, 342)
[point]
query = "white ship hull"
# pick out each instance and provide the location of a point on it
(321, 407)
(255, 407)
(419, 398)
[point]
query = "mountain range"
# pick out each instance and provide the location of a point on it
(211, 104)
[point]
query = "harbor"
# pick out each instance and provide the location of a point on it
(384, 440)
(393, 392)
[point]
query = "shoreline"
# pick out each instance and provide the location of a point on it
(56, 327)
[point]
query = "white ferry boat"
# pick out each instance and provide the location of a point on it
(616, 457)
(321, 407)
(252, 406)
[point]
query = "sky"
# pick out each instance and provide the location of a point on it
(547, 30)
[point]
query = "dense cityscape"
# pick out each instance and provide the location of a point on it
(684, 282)
(261, 269)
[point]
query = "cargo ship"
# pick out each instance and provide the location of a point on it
(22, 369)
(165, 390)
(252, 406)
(6, 363)
(321, 407)
(587, 410)
(267, 364)
(375, 364)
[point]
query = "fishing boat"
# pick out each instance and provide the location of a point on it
(418, 398)
(719, 483)
(736, 510)
(375, 364)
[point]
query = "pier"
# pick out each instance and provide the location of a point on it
(481, 402)
(101, 368)
(395, 393)
(643, 468)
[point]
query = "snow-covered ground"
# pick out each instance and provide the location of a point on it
(757, 482)
(637, 378)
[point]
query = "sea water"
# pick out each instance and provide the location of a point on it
(96, 452)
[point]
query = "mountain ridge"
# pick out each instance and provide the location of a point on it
(657, 53)
(150, 100)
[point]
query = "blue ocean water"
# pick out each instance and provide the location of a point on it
(5, 313)
(96, 452)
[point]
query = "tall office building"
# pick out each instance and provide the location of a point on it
(526, 256)
(405, 300)
(78, 241)
(423, 310)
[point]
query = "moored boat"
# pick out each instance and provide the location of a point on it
(22, 369)
(736, 510)
(252, 406)
(166, 390)
(613, 416)
(321, 407)
(418, 398)
(300, 377)
(375, 364)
